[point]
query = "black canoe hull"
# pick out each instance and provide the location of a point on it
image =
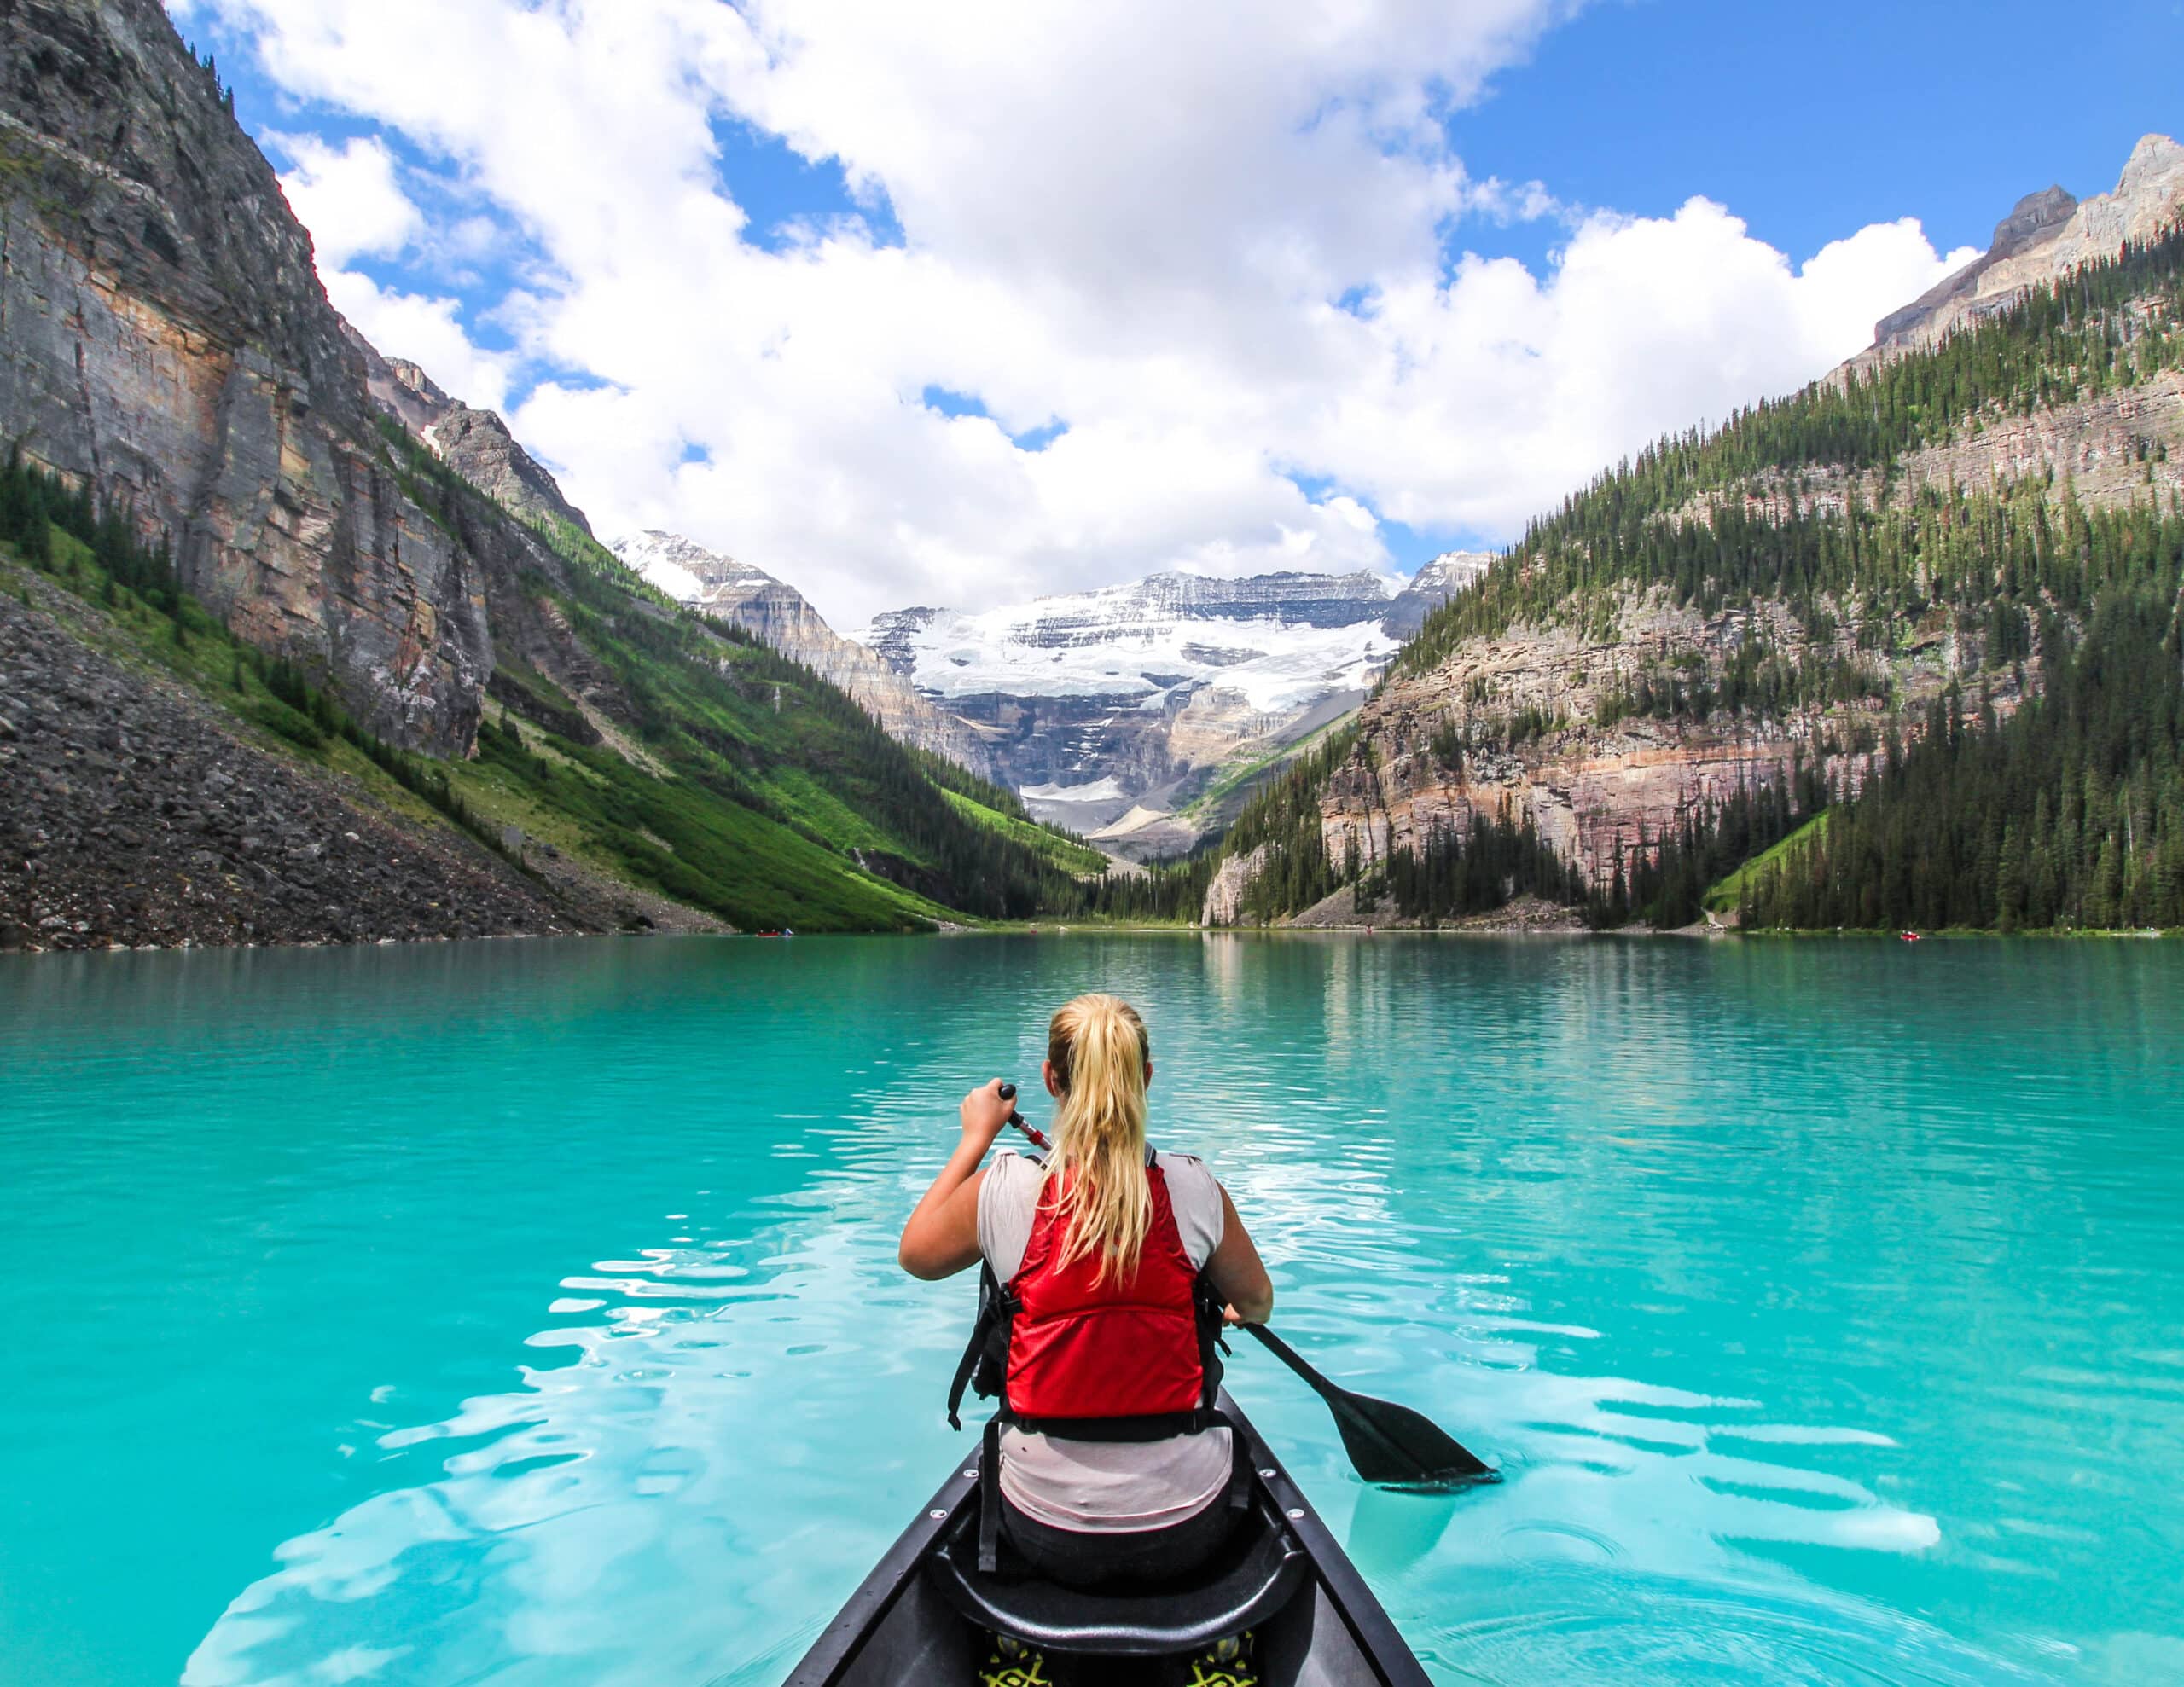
(900, 1628)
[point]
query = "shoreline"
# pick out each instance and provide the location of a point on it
(1060, 929)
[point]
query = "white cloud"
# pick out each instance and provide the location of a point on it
(425, 331)
(349, 198)
(1131, 217)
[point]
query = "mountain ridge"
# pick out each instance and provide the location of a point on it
(1742, 624)
(737, 592)
(2046, 235)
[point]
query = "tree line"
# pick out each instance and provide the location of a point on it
(2111, 323)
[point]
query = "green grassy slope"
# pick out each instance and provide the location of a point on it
(1058, 846)
(1727, 894)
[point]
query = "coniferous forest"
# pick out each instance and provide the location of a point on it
(2045, 789)
(2069, 812)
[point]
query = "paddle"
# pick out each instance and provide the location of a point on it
(1388, 1444)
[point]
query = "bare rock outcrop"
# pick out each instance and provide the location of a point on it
(475, 443)
(1590, 790)
(164, 335)
(2047, 235)
(1224, 896)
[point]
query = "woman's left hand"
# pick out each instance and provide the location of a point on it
(985, 1115)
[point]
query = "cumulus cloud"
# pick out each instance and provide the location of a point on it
(1205, 253)
(348, 197)
(426, 331)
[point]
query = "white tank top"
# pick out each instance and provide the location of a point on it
(1104, 1488)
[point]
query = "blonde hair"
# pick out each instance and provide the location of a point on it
(1102, 1199)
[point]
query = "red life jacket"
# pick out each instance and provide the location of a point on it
(1129, 1346)
(1134, 1358)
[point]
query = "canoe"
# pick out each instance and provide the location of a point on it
(926, 1615)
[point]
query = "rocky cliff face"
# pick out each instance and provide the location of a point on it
(475, 443)
(163, 334)
(1589, 790)
(781, 615)
(2045, 237)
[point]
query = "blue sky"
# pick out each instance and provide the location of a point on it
(1811, 121)
(1102, 370)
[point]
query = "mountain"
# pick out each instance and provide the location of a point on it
(299, 648)
(167, 340)
(735, 592)
(1932, 599)
(1433, 586)
(475, 443)
(1135, 711)
(2045, 237)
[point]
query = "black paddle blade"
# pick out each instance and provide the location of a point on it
(1394, 1446)
(1389, 1445)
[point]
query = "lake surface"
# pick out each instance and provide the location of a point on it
(527, 1313)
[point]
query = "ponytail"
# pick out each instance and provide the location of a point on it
(1097, 1048)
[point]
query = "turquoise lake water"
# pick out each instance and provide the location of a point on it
(527, 1313)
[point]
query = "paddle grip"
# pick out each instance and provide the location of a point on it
(1038, 1140)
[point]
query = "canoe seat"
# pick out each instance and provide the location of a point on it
(1250, 1579)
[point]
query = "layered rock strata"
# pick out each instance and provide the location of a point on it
(164, 336)
(1593, 792)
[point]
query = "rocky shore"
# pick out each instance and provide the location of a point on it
(133, 814)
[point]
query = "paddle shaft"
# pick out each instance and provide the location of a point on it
(1037, 1139)
(1296, 1361)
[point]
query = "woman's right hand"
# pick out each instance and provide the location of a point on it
(985, 1115)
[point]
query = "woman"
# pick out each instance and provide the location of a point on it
(1111, 1466)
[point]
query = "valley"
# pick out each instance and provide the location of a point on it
(379, 601)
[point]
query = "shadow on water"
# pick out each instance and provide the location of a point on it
(1824, 1304)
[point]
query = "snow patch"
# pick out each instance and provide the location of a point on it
(1106, 790)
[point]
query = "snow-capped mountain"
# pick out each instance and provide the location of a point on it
(1279, 640)
(1441, 579)
(1112, 709)
(778, 613)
